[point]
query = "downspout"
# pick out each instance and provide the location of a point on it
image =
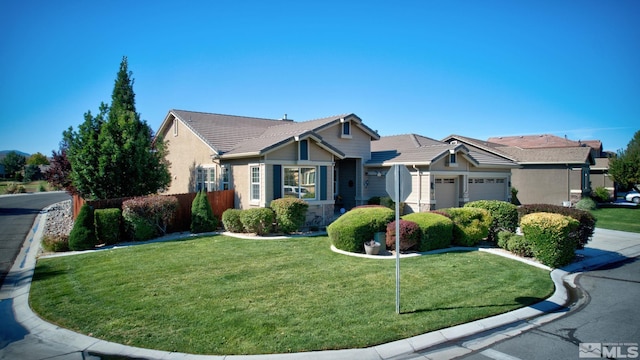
(419, 188)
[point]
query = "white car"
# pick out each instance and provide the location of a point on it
(293, 190)
(633, 196)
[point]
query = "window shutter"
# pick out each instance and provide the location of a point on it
(277, 181)
(322, 183)
(304, 150)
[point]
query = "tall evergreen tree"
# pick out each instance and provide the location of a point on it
(113, 155)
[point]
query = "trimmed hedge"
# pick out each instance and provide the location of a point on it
(582, 234)
(291, 213)
(202, 218)
(350, 231)
(83, 234)
(470, 225)
(504, 214)
(549, 236)
(148, 217)
(231, 220)
(517, 244)
(410, 235)
(107, 223)
(436, 229)
(258, 220)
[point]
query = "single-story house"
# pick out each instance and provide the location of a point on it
(551, 170)
(265, 159)
(443, 174)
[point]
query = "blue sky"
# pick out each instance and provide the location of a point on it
(435, 68)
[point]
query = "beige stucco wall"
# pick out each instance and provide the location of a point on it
(186, 151)
(549, 184)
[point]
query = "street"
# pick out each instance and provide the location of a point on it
(608, 315)
(17, 213)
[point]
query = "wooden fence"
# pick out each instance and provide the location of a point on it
(219, 200)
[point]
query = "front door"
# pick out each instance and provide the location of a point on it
(346, 183)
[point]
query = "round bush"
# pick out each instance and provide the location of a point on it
(231, 220)
(410, 235)
(549, 236)
(581, 235)
(291, 213)
(351, 230)
(258, 220)
(436, 229)
(107, 222)
(586, 204)
(504, 215)
(470, 225)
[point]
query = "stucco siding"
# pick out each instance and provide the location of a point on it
(552, 184)
(186, 151)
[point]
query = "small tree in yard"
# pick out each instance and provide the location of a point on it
(625, 167)
(13, 163)
(202, 218)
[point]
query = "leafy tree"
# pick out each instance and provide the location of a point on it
(37, 159)
(625, 167)
(13, 163)
(112, 154)
(32, 172)
(59, 172)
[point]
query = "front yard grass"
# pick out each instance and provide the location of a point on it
(623, 218)
(222, 295)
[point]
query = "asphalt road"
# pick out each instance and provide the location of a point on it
(607, 319)
(17, 213)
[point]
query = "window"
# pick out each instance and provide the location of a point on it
(300, 182)
(500, 181)
(452, 158)
(225, 177)
(255, 182)
(206, 178)
(346, 128)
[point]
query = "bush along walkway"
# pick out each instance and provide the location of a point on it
(39, 339)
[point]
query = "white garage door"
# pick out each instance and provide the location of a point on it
(446, 193)
(487, 189)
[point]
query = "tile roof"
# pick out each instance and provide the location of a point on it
(564, 155)
(235, 136)
(409, 149)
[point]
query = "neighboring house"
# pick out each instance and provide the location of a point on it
(551, 170)
(265, 159)
(443, 174)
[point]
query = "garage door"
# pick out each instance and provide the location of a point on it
(446, 193)
(487, 189)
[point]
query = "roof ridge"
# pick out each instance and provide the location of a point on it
(229, 115)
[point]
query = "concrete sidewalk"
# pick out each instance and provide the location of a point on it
(26, 336)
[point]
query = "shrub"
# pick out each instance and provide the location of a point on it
(202, 218)
(436, 230)
(351, 230)
(83, 235)
(387, 202)
(600, 194)
(374, 200)
(258, 220)
(586, 204)
(55, 243)
(548, 235)
(147, 217)
(290, 213)
(517, 244)
(42, 188)
(582, 235)
(231, 220)
(13, 188)
(107, 223)
(410, 235)
(470, 225)
(504, 215)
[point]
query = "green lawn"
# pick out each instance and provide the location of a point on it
(624, 219)
(222, 295)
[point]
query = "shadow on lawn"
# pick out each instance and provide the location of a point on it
(522, 300)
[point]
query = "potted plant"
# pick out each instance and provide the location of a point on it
(371, 247)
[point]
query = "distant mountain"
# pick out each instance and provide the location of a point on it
(4, 153)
